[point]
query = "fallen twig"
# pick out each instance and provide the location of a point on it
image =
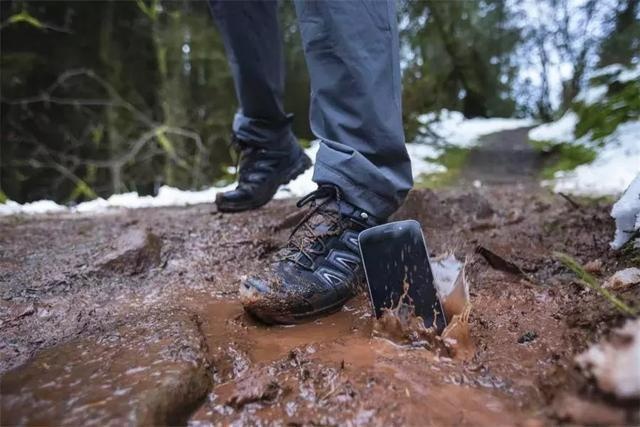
(500, 263)
(572, 202)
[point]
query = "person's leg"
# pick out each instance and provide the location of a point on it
(362, 169)
(253, 43)
(351, 49)
(268, 150)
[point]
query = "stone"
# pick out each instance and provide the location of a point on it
(623, 279)
(144, 371)
(135, 251)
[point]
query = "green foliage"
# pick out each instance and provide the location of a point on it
(620, 104)
(82, 191)
(623, 43)
(630, 252)
(453, 158)
(3, 198)
(563, 157)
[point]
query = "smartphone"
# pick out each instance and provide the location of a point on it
(395, 255)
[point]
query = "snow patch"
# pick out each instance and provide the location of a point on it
(609, 69)
(420, 163)
(41, 206)
(618, 72)
(629, 75)
(615, 364)
(592, 94)
(615, 166)
(558, 131)
(455, 130)
(626, 212)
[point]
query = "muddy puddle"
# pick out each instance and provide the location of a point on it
(290, 373)
(294, 373)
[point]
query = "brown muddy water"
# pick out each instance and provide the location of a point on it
(132, 318)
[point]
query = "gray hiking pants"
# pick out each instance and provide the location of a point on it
(351, 49)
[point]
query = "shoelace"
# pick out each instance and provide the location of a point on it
(305, 244)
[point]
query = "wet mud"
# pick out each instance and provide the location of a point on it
(133, 317)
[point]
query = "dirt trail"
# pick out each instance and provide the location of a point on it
(503, 158)
(131, 317)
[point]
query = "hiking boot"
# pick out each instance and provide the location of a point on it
(260, 172)
(318, 270)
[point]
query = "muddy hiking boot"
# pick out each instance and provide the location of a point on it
(260, 173)
(318, 270)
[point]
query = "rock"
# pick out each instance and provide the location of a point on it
(623, 278)
(146, 371)
(615, 364)
(474, 203)
(593, 266)
(135, 251)
(259, 387)
(572, 409)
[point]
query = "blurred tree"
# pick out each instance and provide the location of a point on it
(118, 97)
(106, 96)
(460, 56)
(622, 44)
(560, 48)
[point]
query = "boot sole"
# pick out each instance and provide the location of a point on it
(302, 164)
(271, 318)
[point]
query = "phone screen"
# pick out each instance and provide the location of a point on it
(395, 259)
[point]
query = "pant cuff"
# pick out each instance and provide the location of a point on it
(270, 135)
(354, 193)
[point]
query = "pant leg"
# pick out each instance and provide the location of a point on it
(253, 43)
(351, 48)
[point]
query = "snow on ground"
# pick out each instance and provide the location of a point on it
(614, 363)
(556, 132)
(593, 94)
(453, 127)
(616, 164)
(617, 156)
(626, 212)
(619, 72)
(455, 130)
(41, 206)
(420, 163)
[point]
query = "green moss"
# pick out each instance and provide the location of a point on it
(563, 157)
(453, 158)
(3, 198)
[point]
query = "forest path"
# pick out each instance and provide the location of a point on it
(132, 317)
(502, 158)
